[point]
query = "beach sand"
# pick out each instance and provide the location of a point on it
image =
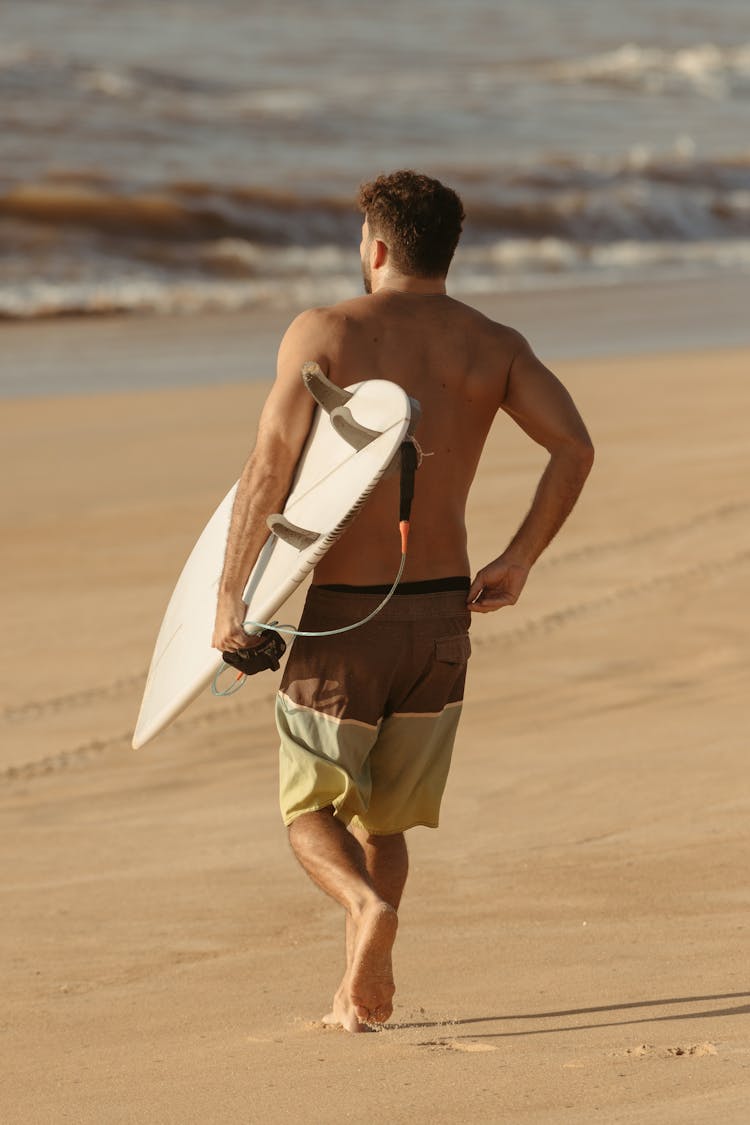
(574, 939)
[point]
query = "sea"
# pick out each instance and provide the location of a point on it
(177, 156)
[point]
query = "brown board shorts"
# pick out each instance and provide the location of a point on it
(367, 719)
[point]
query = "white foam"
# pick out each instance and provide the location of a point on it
(134, 295)
(505, 265)
(111, 83)
(734, 253)
(522, 254)
(524, 264)
(704, 68)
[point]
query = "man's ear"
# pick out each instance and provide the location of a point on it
(379, 254)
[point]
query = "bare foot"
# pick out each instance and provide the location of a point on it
(343, 1014)
(371, 985)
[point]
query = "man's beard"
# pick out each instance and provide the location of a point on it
(366, 276)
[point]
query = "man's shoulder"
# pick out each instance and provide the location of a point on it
(346, 319)
(485, 321)
(487, 331)
(326, 318)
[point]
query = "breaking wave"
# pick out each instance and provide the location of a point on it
(82, 242)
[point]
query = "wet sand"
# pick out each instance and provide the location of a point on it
(573, 940)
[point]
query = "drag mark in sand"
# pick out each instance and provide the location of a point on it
(37, 708)
(550, 621)
(648, 537)
(86, 751)
(55, 763)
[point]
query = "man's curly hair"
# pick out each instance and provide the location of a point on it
(417, 217)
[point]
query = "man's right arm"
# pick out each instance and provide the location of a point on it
(538, 402)
(269, 471)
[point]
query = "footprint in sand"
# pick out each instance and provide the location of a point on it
(698, 1050)
(465, 1045)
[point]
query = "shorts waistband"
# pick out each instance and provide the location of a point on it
(332, 608)
(428, 586)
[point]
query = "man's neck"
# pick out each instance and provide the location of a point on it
(411, 286)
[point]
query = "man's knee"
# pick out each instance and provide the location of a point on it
(379, 843)
(372, 839)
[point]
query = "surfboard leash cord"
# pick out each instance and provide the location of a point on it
(291, 631)
(410, 459)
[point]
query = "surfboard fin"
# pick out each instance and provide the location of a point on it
(352, 431)
(333, 400)
(295, 536)
(325, 393)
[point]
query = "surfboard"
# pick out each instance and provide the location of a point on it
(354, 437)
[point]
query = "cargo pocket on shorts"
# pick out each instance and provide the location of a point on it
(453, 650)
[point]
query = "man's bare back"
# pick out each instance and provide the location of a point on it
(461, 367)
(455, 363)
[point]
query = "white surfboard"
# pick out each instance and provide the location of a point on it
(353, 439)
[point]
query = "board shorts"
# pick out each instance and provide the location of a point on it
(367, 719)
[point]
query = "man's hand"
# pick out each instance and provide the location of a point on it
(229, 634)
(498, 584)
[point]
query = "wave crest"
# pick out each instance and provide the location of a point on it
(81, 242)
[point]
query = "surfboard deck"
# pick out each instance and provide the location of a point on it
(332, 481)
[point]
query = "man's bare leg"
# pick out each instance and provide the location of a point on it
(387, 864)
(336, 861)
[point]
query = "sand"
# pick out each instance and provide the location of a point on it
(574, 939)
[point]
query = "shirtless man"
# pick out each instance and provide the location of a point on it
(367, 719)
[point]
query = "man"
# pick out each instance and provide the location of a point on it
(367, 719)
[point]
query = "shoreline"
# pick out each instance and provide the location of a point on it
(102, 355)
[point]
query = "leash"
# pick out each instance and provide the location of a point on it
(267, 654)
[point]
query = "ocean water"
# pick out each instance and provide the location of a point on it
(172, 155)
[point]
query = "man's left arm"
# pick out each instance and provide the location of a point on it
(268, 473)
(537, 402)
